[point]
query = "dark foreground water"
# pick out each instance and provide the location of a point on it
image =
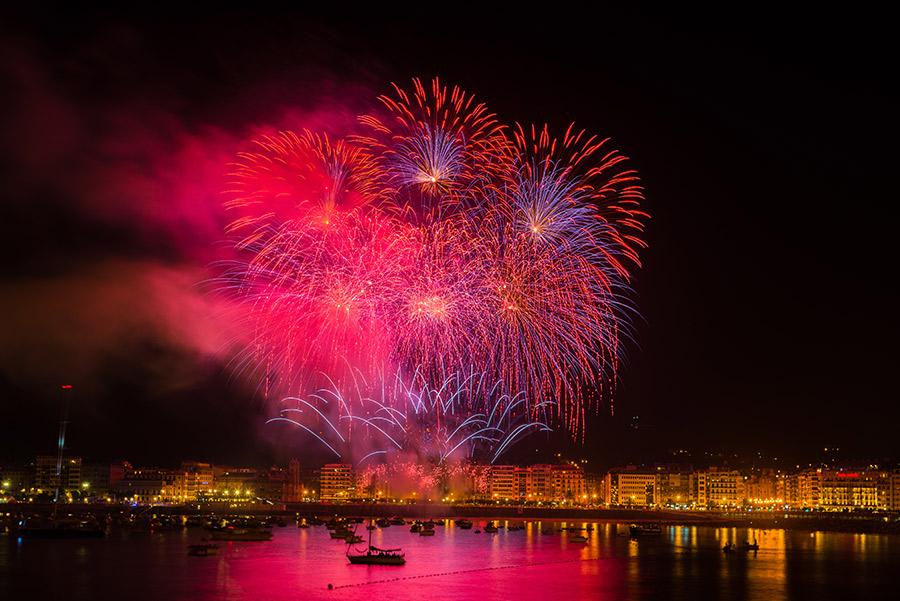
(684, 563)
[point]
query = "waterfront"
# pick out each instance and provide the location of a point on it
(686, 562)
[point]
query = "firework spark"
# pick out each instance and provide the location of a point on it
(435, 282)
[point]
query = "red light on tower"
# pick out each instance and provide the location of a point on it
(66, 387)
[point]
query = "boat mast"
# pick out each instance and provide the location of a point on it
(61, 441)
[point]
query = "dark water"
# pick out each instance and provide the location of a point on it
(685, 563)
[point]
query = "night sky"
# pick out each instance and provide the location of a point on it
(767, 145)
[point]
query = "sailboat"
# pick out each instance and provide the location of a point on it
(374, 556)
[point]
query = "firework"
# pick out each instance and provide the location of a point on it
(435, 282)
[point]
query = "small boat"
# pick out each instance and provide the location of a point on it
(60, 528)
(417, 527)
(374, 556)
(397, 521)
(464, 524)
(241, 534)
(750, 547)
(490, 528)
(578, 538)
(426, 532)
(204, 550)
(383, 523)
(728, 548)
(637, 530)
(378, 557)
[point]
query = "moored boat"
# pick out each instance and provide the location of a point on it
(373, 555)
(637, 530)
(60, 528)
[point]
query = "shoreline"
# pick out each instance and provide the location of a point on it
(860, 523)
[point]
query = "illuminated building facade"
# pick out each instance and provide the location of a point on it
(503, 482)
(336, 482)
(198, 479)
(149, 486)
(724, 488)
(841, 490)
(632, 487)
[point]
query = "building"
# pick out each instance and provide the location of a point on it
(293, 486)
(337, 482)
(808, 489)
(841, 490)
(764, 489)
(16, 478)
(147, 486)
(632, 486)
(199, 478)
(895, 491)
(45, 474)
(503, 482)
(568, 483)
(673, 488)
(724, 488)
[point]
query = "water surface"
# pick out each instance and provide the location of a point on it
(684, 563)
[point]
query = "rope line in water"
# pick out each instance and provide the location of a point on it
(455, 572)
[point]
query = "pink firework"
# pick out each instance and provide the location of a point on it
(436, 242)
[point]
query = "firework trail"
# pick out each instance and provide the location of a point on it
(436, 281)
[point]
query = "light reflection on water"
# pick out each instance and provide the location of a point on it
(683, 563)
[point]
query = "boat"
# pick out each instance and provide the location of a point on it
(397, 521)
(60, 528)
(490, 528)
(426, 532)
(578, 538)
(241, 534)
(417, 527)
(378, 557)
(750, 547)
(728, 548)
(464, 524)
(637, 530)
(383, 523)
(204, 550)
(375, 556)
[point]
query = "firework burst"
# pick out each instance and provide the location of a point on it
(436, 282)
